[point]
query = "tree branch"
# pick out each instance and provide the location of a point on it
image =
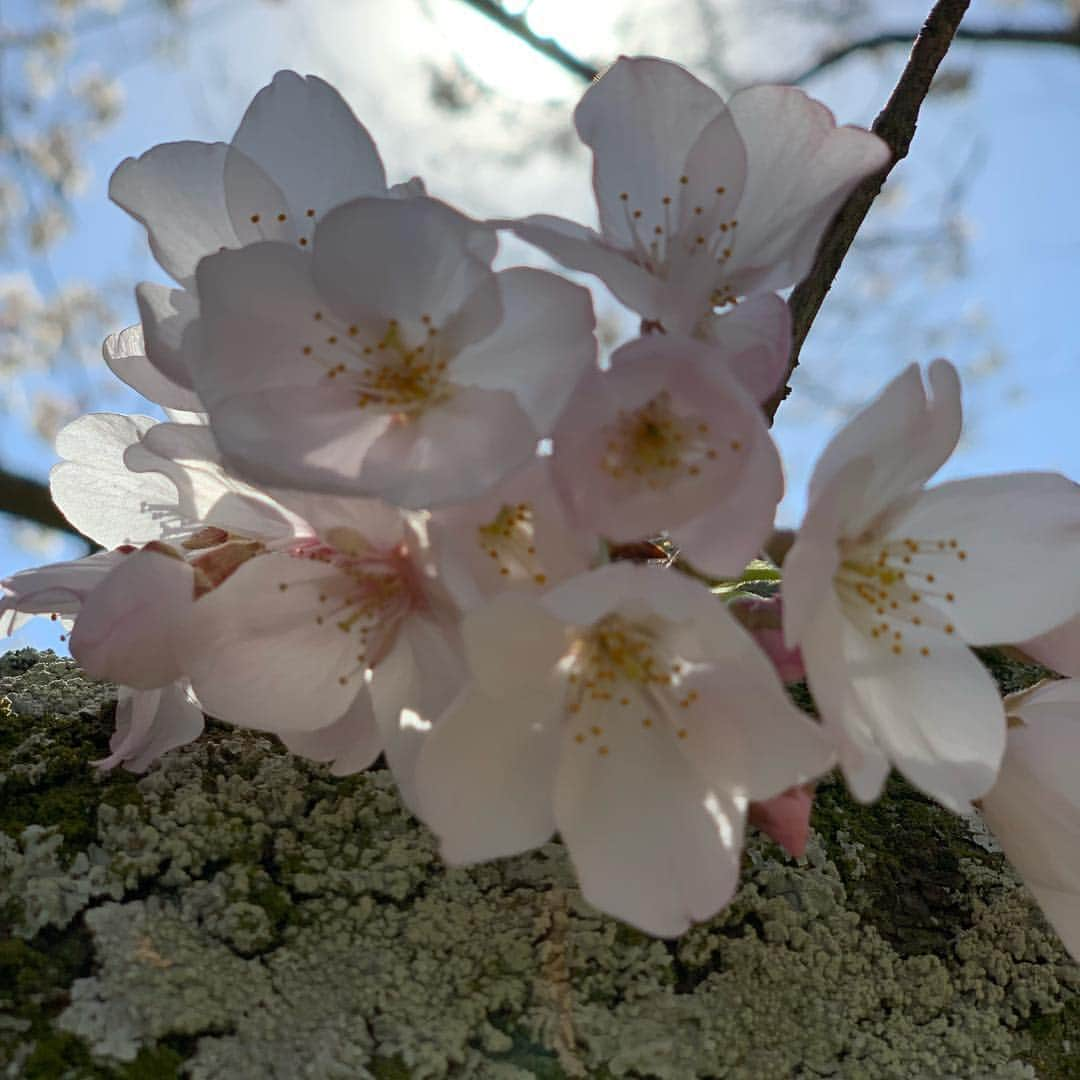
(896, 125)
(1068, 37)
(31, 500)
(549, 47)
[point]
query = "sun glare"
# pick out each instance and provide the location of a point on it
(511, 67)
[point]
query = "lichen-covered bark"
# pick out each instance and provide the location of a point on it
(238, 913)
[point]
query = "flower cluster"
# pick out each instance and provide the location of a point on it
(400, 506)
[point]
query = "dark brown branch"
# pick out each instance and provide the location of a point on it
(30, 500)
(896, 125)
(1068, 37)
(549, 47)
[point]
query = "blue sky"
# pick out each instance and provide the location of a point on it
(1015, 132)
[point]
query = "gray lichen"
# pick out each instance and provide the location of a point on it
(238, 913)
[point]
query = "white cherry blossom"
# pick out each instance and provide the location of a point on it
(627, 710)
(701, 203)
(669, 440)
(887, 584)
(1034, 808)
(389, 361)
(1058, 649)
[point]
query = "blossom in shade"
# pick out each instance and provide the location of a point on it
(785, 818)
(388, 360)
(763, 617)
(669, 439)
(1034, 807)
(887, 584)
(701, 203)
(627, 710)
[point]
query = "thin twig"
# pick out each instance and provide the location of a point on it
(1067, 37)
(896, 125)
(31, 500)
(549, 47)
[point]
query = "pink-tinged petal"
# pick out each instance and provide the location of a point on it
(997, 555)
(57, 589)
(301, 133)
(149, 723)
(845, 716)
(352, 742)
(755, 338)
(642, 118)
(259, 310)
(763, 618)
(1057, 649)
(95, 491)
(452, 451)
(540, 350)
(204, 492)
(928, 704)
(267, 657)
(486, 773)
(421, 676)
(661, 441)
(307, 437)
(514, 537)
(905, 438)
(800, 169)
(579, 248)
(382, 259)
(176, 190)
(167, 316)
(1034, 808)
(785, 818)
(651, 841)
(493, 635)
(130, 627)
(125, 354)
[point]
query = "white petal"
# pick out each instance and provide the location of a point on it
(451, 452)
(301, 133)
(149, 723)
(642, 118)
(352, 742)
(652, 843)
(1058, 649)
(1063, 911)
(904, 437)
(1010, 546)
(98, 494)
(541, 348)
(800, 169)
(176, 190)
(125, 353)
(936, 715)
(485, 775)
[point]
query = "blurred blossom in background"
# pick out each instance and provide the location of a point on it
(969, 253)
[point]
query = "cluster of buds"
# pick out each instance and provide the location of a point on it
(390, 509)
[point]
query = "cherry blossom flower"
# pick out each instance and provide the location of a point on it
(1034, 808)
(669, 439)
(886, 582)
(702, 203)
(626, 709)
(763, 617)
(785, 818)
(389, 361)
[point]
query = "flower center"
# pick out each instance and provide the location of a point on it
(653, 446)
(387, 370)
(510, 541)
(619, 679)
(891, 588)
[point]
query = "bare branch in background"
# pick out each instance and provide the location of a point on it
(1066, 37)
(30, 500)
(549, 47)
(896, 125)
